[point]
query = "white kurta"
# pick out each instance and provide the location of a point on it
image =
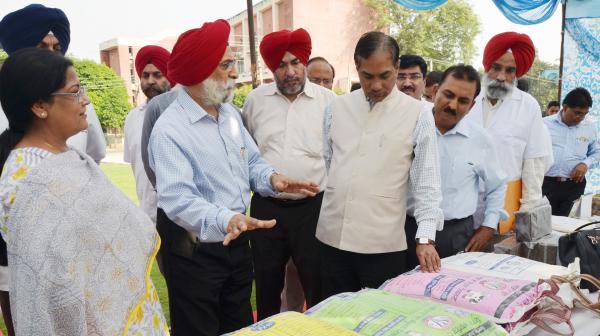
(518, 130)
(524, 147)
(132, 153)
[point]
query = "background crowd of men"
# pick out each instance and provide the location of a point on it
(349, 190)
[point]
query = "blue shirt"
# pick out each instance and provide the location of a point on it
(468, 157)
(205, 168)
(572, 145)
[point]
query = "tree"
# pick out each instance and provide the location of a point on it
(106, 90)
(446, 33)
(544, 90)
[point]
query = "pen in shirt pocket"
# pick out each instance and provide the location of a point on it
(243, 153)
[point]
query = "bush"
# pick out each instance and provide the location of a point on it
(106, 90)
(240, 94)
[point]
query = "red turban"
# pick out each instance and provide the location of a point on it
(152, 54)
(198, 52)
(274, 46)
(520, 45)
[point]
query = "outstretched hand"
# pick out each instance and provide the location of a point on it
(282, 183)
(240, 223)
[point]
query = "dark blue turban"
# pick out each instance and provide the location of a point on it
(28, 26)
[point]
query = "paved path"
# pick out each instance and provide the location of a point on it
(114, 157)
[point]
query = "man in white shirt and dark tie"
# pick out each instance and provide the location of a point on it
(467, 158)
(285, 118)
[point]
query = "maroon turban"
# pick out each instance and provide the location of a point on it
(198, 52)
(520, 45)
(152, 54)
(274, 46)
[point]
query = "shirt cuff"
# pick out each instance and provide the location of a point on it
(589, 163)
(223, 217)
(271, 192)
(425, 230)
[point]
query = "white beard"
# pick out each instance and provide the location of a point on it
(495, 89)
(216, 93)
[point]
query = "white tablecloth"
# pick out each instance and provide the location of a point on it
(584, 322)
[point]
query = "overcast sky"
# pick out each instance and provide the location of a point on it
(93, 22)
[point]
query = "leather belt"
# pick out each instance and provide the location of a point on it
(558, 178)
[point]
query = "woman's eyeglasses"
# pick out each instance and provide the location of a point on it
(79, 94)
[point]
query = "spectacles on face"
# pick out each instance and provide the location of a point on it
(228, 65)
(412, 77)
(318, 81)
(79, 94)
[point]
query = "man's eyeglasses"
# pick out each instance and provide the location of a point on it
(412, 77)
(79, 94)
(228, 65)
(318, 81)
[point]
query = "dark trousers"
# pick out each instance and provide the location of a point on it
(453, 239)
(344, 271)
(561, 194)
(209, 284)
(293, 236)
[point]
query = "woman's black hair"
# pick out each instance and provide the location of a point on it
(28, 76)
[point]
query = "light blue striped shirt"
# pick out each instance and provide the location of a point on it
(572, 145)
(205, 169)
(468, 157)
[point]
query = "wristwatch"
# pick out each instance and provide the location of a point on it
(425, 241)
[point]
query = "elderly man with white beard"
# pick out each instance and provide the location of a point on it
(206, 165)
(514, 120)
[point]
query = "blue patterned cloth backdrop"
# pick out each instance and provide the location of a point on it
(581, 68)
(421, 4)
(525, 12)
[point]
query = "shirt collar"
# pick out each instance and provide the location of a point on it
(461, 128)
(194, 111)
(309, 90)
(395, 92)
(558, 118)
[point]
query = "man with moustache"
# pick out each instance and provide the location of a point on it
(320, 72)
(49, 28)
(151, 67)
(467, 157)
(206, 165)
(514, 120)
(411, 76)
(376, 141)
(286, 120)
